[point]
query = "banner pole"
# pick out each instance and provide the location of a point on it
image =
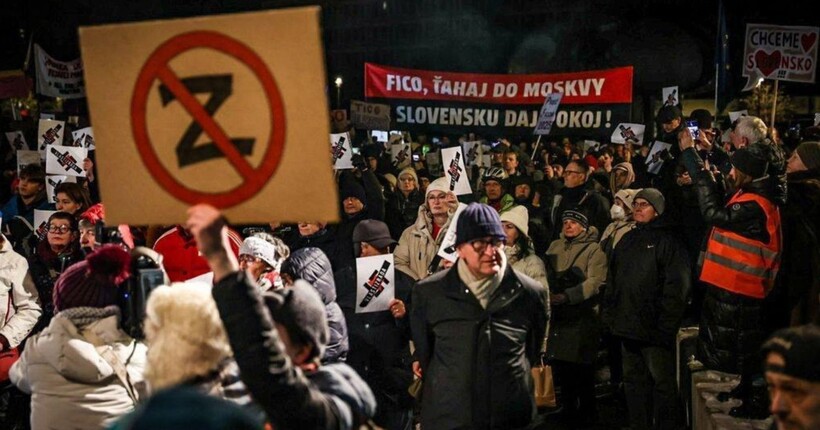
(774, 105)
(537, 142)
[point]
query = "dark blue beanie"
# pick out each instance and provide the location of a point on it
(476, 221)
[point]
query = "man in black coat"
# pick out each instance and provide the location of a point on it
(477, 327)
(577, 193)
(644, 302)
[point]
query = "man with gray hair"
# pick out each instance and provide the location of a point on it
(747, 130)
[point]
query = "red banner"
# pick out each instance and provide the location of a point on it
(611, 86)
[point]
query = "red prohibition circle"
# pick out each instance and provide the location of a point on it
(157, 67)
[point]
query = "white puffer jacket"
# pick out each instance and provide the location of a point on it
(19, 307)
(72, 385)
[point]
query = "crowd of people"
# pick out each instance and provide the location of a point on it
(581, 259)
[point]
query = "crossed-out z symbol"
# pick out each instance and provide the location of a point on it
(455, 171)
(66, 161)
(375, 284)
(338, 149)
(220, 87)
(41, 230)
(400, 157)
(54, 184)
(471, 154)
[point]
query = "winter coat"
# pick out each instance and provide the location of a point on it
(800, 264)
(324, 239)
(590, 201)
(379, 343)
(19, 306)
(647, 285)
(70, 382)
(311, 265)
(578, 270)
(373, 209)
(180, 256)
(401, 211)
(417, 248)
(332, 397)
(732, 328)
(613, 234)
(45, 267)
(475, 361)
(531, 265)
(505, 203)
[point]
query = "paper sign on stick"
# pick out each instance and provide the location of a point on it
(205, 110)
(49, 132)
(548, 112)
(450, 237)
(65, 160)
(341, 151)
(782, 53)
(454, 170)
(52, 181)
(26, 157)
(41, 222)
(17, 140)
(84, 137)
(670, 96)
(628, 131)
(400, 154)
(474, 151)
(371, 116)
(375, 283)
(654, 160)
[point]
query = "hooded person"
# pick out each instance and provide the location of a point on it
(621, 178)
(519, 248)
(622, 221)
(259, 257)
(312, 266)
(577, 269)
(416, 253)
(83, 368)
(402, 206)
(278, 340)
(360, 199)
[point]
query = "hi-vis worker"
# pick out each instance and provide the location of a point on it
(739, 263)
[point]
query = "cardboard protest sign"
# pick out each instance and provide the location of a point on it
(654, 160)
(65, 160)
(454, 170)
(473, 153)
(783, 53)
(375, 283)
(547, 114)
(670, 96)
(450, 237)
(205, 110)
(26, 157)
(341, 151)
(49, 132)
(84, 137)
(56, 78)
(17, 140)
(41, 222)
(733, 116)
(371, 116)
(628, 131)
(51, 183)
(400, 155)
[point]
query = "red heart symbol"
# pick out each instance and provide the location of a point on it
(807, 40)
(767, 63)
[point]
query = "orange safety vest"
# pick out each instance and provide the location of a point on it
(742, 265)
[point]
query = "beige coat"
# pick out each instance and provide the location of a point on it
(417, 248)
(589, 263)
(19, 307)
(72, 386)
(531, 265)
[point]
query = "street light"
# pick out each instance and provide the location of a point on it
(338, 82)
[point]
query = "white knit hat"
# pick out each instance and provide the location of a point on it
(519, 217)
(441, 184)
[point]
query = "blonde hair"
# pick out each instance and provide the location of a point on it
(184, 333)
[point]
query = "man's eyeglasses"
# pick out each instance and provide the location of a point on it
(61, 229)
(640, 205)
(567, 172)
(480, 245)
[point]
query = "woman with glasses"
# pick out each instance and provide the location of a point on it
(55, 253)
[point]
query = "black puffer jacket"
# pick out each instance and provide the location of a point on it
(401, 211)
(648, 284)
(311, 265)
(732, 326)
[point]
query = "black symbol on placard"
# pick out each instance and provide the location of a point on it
(375, 284)
(220, 87)
(400, 157)
(338, 149)
(54, 184)
(18, 141)
(471, 154)
(50, 136)
(455, 171)
(627, 133)
(41, 230)
(67, 161)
